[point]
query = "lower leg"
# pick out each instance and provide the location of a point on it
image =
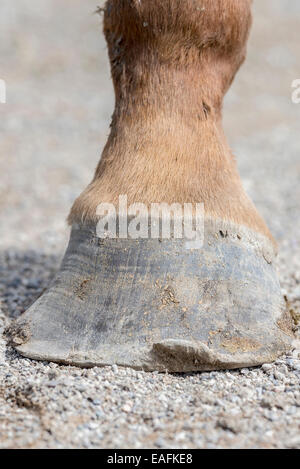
(166, 142)
(151, 303)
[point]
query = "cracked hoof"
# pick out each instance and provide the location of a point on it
(156, 305)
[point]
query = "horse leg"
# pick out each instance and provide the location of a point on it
(160, 303)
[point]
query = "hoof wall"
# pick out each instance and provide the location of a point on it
(155, 305)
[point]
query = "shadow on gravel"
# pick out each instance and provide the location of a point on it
(24, 276)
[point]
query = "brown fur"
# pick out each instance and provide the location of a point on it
(172, 61)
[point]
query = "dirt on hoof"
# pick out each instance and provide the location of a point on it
(52, 128)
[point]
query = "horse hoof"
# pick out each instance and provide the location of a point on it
(159, 305)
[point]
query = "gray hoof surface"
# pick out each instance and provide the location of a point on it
(156, 305)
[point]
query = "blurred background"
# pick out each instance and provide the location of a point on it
(53, 127)
(55, 122)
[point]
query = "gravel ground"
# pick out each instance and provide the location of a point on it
(55, 121)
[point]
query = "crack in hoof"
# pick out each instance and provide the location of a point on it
(181, 352)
